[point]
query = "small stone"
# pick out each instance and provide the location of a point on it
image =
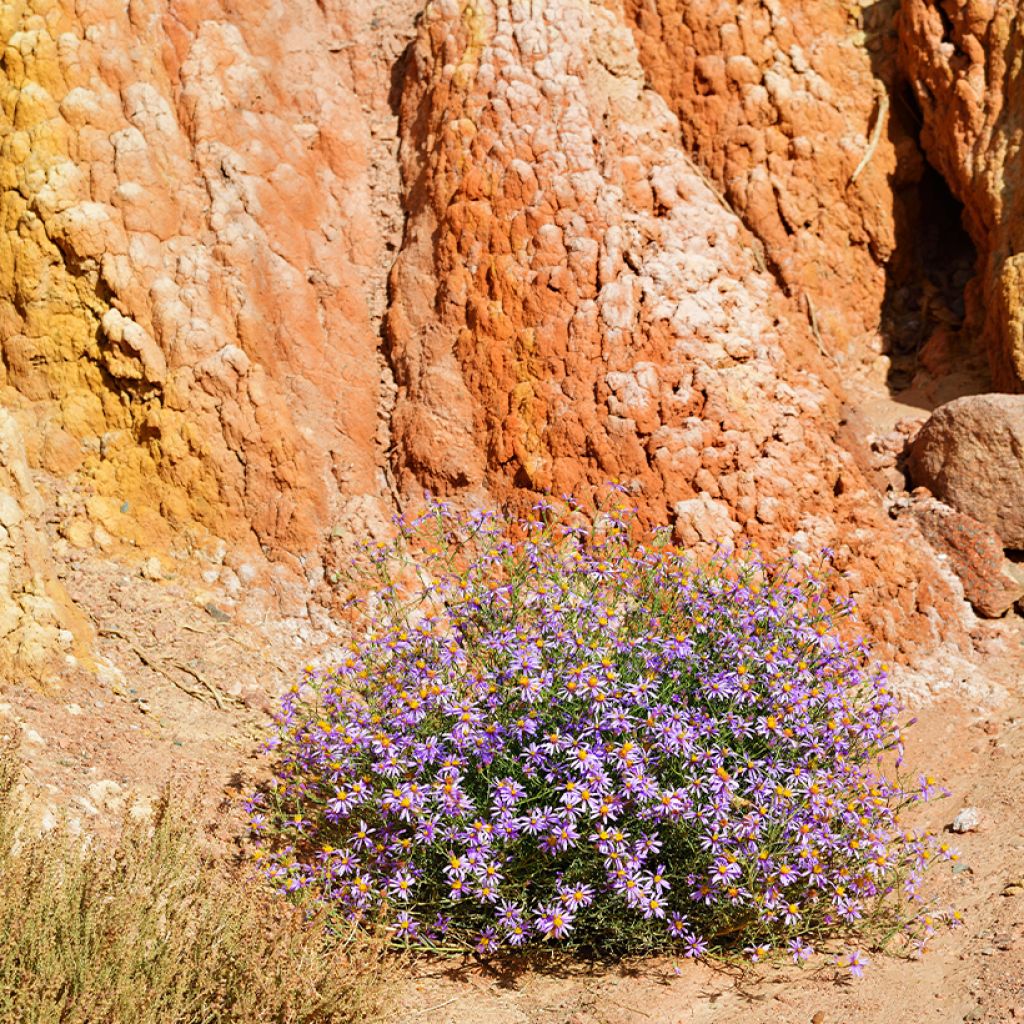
(968, 820)
(31, 736)
(73, 709)
(151, 569)
(10, 510)
(819, 1017)
(109, 674)
(143, 705)
(216, 613)
(106, 794)
(79, 533)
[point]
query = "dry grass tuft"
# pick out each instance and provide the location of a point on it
(150, 929)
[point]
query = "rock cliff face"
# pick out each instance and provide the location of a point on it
(39, 628)
(786, 107)
(640, 239)
(966, 64)
(573, 303)
(186, 189)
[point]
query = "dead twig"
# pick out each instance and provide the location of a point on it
(221, 635)
(429, 1009)
(218, 697)
(876, 134)
(815, 330)
(153, 662)
(634, 1009)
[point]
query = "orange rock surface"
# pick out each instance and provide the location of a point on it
(964, 63)
(786, 108)
(186, 235)
(574, 303)
(244, 312)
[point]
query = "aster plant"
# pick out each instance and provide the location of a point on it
(546, 732)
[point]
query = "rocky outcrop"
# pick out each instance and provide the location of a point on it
(187, 233)
(963, 61)
(573, 303)
(970, 454)
(41, 634)
(785, 106)
(206, 221)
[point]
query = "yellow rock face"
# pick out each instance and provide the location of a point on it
(64, 345)
(177, 294)
(187, 247)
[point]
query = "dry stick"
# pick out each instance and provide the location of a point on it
(814, 326)
(151, 662)
(876, 134)
(634, 1009)
(214, 691)
(428, 1009)
(239, 643)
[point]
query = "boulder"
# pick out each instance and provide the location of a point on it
(970, 454)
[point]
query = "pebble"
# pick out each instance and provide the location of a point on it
(151, 569)
(106, 794)
(216, 613)
(966, 820)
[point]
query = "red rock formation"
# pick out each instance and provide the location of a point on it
(188, 237)
(974, 552)
(573, 303)
(787, 110)
(964, 63)
(201, 207)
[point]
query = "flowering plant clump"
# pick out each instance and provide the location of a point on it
(550, 733)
